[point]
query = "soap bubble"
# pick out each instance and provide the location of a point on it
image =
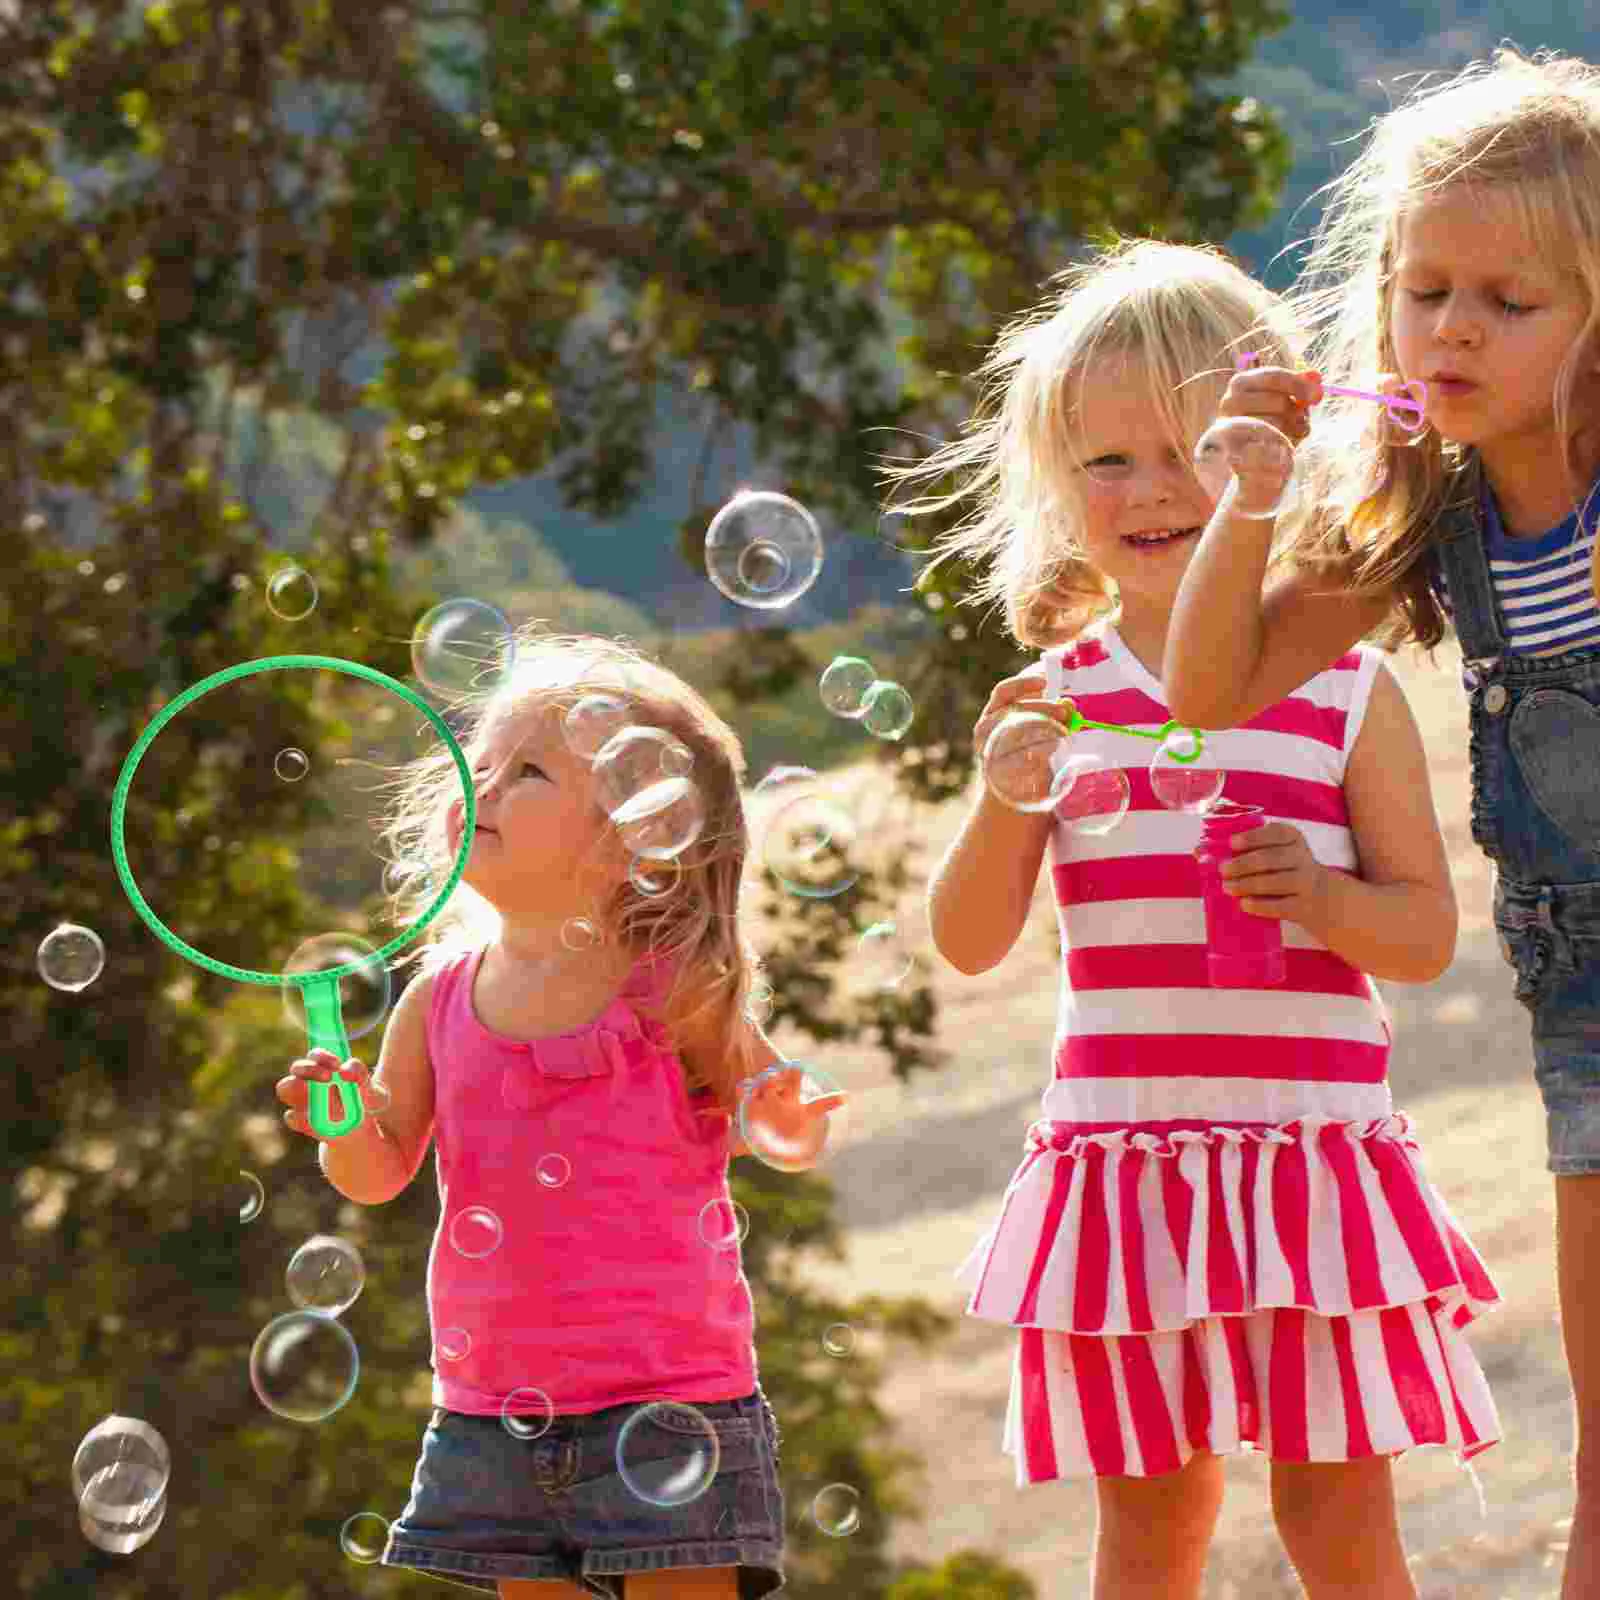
(120, 1473)
(591, 721)
(838, 1340)
(410, 876)
(463, 647)
(844, 684)
(552, 1171)
(765, 1120)
(579, 933)
(642, 779)
(364, 993)
(291, 594)
(291, 765)
(1184, 773)
(724, 1224)
(836, 1510)
(527, 1413)
(453, 1344)
(252, 1196)
(763, 549)
(808, 845)
(1094, 797)
(304, 1366)
(71, 957)
(667, 1453)
(363, 1537)
(662, 821)
(1020, 761)
(887, 711)
(884, 958)
(655, 879)
(476, 1232)
(325, 1274)
(1253, 457)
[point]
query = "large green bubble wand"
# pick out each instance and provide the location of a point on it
(319, 991)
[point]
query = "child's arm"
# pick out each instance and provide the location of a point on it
(1231, 652)
(373, 1164)
(979, 896)
(1397, 919)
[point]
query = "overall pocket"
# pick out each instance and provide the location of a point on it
(1555, 736)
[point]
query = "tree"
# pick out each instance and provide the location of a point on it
(473, 239)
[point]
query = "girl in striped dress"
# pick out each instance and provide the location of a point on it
(1220, 1235)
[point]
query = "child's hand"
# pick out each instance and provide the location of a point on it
(1274, 874)
(295, 1091)
(1251, 451)
(1003, 699)
(798, 1126)
(1275, 395)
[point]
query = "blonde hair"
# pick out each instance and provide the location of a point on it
(1185, 313)
(692, 930)
(1527, 129)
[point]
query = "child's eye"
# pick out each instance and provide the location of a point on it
(1513, 308)
(533, 766)
(1422, 295)
(1108, 469)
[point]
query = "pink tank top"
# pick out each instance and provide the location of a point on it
(601, 1287)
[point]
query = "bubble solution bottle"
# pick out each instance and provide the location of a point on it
(1244, 951)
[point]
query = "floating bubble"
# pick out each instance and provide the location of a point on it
(117, 1442)
(759, 1002)
(662, 821)
(883, 957)
(363, 1537)
(291, 594)
(291, 765)
(1022, 761)
(635, 759)
(304, 1366)
(836, 1510)
(655, 879)
(252, 1197)
(668, 1453)
(1252, 456)
(768, 1123)
(463, 647)
(591, 721)
(453, 1344)
(527, 1413)
(1184, 773)
(579, 933)
(476, 1232)
(844, 684)
(724, 1224)
(364, 992)
(763, 549)
(325, 1274)
(887, 711)
(809, 843)
(838, 1340)
(410, 876)
(71, 957)
(552, 1170)
(1094, 797)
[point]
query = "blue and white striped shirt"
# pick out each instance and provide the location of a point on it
(1541, 583)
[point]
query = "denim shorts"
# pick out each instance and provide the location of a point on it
(486, 1506)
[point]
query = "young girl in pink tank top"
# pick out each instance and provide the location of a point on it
(1220, 1236)
(576, 1049)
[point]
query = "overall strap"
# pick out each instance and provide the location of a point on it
(1466, 565)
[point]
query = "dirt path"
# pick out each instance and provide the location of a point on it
(922, 1173)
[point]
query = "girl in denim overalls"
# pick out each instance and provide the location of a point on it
(1461, 249)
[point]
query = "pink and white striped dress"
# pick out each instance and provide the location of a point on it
(1220, 1235)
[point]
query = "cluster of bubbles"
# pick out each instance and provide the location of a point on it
(850, 688)
(304, 1364)
(120, 1473)
(1029, 764)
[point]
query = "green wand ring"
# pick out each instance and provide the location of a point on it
(319, 991)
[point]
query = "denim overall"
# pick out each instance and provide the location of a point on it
(1535, 751)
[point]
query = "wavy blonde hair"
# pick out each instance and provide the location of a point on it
(1184, 313)
(1526, 130)
(693, 930)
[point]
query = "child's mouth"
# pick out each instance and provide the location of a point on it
(1159, 539)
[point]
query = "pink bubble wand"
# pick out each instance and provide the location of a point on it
(1407, 409)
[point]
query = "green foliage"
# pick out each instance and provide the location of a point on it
(967, 1575)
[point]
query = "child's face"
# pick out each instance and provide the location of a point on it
(1472, 298)
(543, 846)
(1135, 480)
